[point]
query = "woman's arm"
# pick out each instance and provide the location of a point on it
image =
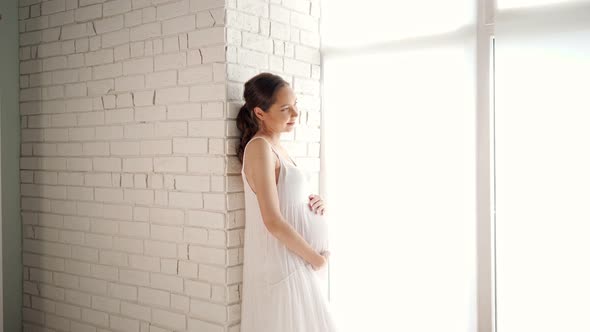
(261, 160)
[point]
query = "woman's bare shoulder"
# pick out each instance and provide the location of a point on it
(259, 152)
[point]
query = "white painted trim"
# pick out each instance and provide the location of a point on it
(484, 172)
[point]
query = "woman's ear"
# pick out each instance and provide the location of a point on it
(259, 113)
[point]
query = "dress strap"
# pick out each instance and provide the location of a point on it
(271, 147)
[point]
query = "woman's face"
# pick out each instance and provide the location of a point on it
(282, 115)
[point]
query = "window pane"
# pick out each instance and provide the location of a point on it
(543, 181)
(348, 24)
(400, 160)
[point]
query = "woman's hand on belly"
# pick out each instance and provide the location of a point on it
(316, 204)
(319, 265)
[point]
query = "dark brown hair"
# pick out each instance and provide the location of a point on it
(259, 91)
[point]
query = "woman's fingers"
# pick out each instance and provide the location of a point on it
(316, 204)
(313, 199)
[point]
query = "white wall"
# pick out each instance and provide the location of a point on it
(131, 207)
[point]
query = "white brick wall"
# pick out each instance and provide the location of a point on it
(132, 203)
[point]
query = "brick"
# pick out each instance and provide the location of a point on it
(134, 229)
(206, 128)
(123, 292)
(206, 37)
(115, 38)
(172, 10)
(95, 317)
(106, 304)
(206, 165)
(128, 245)
(67, 310)
(301, 6)
(280, 14)
(113, 258)
(85, 104)
(166, 282)
(210, 311)
(195, 75)
(297, 68)
(242, 21)
(180, 303)
(42, 304)
(172, 95)
(116, 7)
(139, 196)
(311, 39)
(153, 297)
(88, 13)
(57, 322)
(280, 31)
(54, 6)
(146, 263)
(170, 61)
(124, 324)
(109, 24)
(161, 79)
(85, 254)
(145, 31)
(99, 57)
(133, 18)
(206, 255)
(199, 325)
(187, 200)
(130, 83)
(205, 20)
(76, 326)
(169, 319)
(139, 278)
(77, 61)
(171, 129)
(138, 66)
(179, 24)
(213, 54)
(137, 165)
(209, 92)
(122, 52)
(136, 311)
(161, 147)
(58, 62)
(252, 58)
(304, 22)
(118, 116)
(170, 164)
(257, 43)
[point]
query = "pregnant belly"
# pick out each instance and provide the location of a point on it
(315, 230)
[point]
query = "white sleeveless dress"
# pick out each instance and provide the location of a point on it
(281, 292)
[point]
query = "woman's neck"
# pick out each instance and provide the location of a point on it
(275, 139)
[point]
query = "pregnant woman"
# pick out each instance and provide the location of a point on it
(286, 239)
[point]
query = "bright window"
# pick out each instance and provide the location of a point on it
(542, 170)
(400, 159)
(404, 96)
